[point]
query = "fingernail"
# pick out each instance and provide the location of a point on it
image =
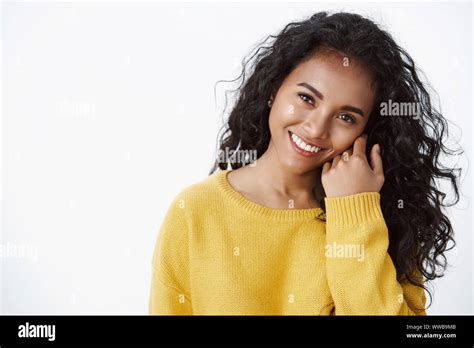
(377, 148)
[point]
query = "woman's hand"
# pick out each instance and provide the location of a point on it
(352, 174)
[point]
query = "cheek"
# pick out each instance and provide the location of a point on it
(282, 115)
(342, 140)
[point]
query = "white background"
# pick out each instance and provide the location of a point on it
(108, 112)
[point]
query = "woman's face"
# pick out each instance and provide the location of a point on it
(325, 102)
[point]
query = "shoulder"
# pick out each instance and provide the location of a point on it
(185, 215)
(196, 198)
(185, 210)
(201, 191)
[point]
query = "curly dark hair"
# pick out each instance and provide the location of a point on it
(411, 148)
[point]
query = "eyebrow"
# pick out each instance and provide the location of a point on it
(320, 96)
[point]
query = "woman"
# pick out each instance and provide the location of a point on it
(338, 212)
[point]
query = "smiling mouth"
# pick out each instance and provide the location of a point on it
(302, 147)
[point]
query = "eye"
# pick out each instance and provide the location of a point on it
(347, 118)
(306, 98)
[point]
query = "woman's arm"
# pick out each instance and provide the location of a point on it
(170, 291)
(166, 299)
(361, 275)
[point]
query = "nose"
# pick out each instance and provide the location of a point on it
(316, 125)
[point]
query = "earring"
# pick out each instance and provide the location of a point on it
(269, 103)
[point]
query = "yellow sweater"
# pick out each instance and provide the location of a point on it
(218, 253)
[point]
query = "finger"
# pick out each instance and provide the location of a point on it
(359, 145)
(376, 159)
(326, 168)
(336, 160)
(346, 154)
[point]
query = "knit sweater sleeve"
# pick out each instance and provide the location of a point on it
(361, 275)
(170, 292)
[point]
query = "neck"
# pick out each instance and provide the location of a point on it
(274, 177)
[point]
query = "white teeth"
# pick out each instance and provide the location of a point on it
(302, 145)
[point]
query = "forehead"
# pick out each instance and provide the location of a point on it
(337, 77)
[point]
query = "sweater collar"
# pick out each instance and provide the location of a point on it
(261, 210)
